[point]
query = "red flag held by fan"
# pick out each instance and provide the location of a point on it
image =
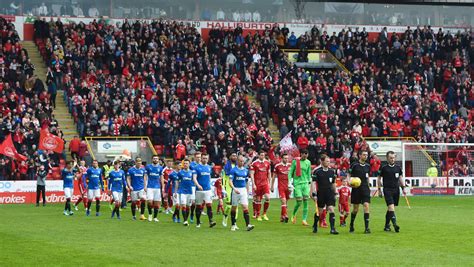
(8, 149)
(50, 142)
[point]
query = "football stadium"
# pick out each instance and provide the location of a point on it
(236, 133)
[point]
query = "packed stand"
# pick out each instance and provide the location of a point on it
(158, 80)
(25, 105)
(413, 84)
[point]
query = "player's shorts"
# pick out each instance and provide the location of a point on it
(138, 195)
(326, 197)
(262, 190)
(360, 195)
(93, 193)
(242, 198)
(68, 192)
(193, 195)
(82, 190)
(391, 195)
(117, 196)
(175, 198)
(301, 190)
(185, 199)
(203, 196)
(219, 194)
(284, 192)
(344, 207)
(153, 194)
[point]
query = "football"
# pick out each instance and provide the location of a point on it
(355, 182)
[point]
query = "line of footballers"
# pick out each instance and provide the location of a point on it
(189, 189)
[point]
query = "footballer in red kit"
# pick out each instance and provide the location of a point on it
(260, 174)
(167, 192)
(220, 196)
(281, 172)
(344, 196)
(80, 175)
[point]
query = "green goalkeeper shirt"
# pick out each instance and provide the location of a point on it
(305, 177)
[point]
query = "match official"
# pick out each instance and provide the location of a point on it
(392, 180)
(324, 180)
(361, 194)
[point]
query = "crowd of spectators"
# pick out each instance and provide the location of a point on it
(163, 80)
(25, 108)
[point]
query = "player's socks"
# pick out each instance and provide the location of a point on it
(142, 207)
(332, 220)
(113, 212)
(394, 221)
(297, 206)
(149, 206)
(315, 223)
(78, 201)
(155, 212)
(97, 205)
(284, 211)
(341, 219)
(254, 206)
(353, 217)
(232, 217)
(89, 204)
(193, 209)
(305, 209)
(185, 212)
(265, 206)
(246, 217)
(209, 211)
(198, 214)
(366, 220)
(134, 208)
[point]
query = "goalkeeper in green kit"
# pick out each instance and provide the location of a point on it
(299, 177)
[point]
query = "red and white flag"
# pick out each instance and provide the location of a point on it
(8, 149)
(50, 142)
(287, 146)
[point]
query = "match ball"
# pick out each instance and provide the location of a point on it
(355, 182)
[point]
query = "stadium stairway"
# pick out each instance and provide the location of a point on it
(274, 131)
(61, 112)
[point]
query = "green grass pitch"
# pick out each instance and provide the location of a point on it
(436, 231)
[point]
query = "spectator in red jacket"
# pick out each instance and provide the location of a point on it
(74, 147)
(302, 141)
(375, 164)
(180, 150)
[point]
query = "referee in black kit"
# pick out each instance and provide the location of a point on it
(360, 195)
(392, 180)
(325, 178)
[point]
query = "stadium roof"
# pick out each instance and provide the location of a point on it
(412, 2)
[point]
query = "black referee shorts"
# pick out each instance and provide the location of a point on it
(391, 195)
(326, 197)
(360, 195)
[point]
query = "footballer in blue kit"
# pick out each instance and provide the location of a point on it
(192, 166)
(155, 184)
(94, 184)
(137, 184)
(184, 186)
(202, 180)
(67, 175)
(171, 185)
(117, 181)
(238, 179)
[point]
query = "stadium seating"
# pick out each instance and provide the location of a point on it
(163, 80)
(25, 108)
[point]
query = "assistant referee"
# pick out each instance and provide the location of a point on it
(392, 176)
(360, 195)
